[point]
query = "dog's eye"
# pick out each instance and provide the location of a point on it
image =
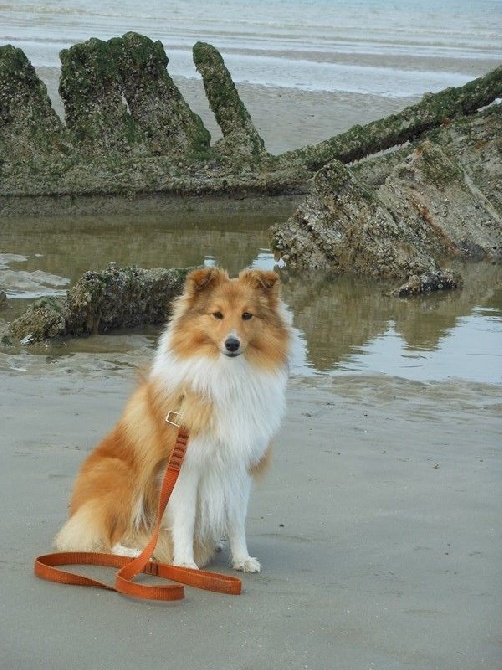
(218, 315)
(247, 315)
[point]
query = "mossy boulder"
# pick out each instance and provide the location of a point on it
(45, 319)
(102, 301)
(121, 298)
(155, 103)
(400, 214)
(120, 99)
(96, 114)
(343, 228)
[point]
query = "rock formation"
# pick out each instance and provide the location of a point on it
(427, 283)
(129, 130)
(435, 193)
(119, 98)
(400, 214)
(102, 301)
(434, 110)
(29, 128)
(241, 142)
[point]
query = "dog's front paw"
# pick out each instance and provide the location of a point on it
(247, 564)
(186, 564)
(121, 550)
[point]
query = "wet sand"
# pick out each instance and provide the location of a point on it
(290, 118)
(378, 527)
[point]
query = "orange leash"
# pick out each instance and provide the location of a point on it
(48, 566)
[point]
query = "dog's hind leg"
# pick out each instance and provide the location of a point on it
(101, 506)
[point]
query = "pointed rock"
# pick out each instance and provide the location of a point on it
(96, 113)
(241, 141)
(155, 103)
(29, 126)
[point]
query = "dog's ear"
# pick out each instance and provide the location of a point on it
(264, 279)
(203, 279)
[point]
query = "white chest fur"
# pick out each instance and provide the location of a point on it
(248, 403)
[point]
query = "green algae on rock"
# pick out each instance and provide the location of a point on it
(241, 142)
(44, 319)
(29, 127)
(155, 103)
(343, 228)
(434, 110)
(120, 99)
(130, 133)
(437, 199)
(97, 117)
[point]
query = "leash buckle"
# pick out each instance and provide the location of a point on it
(170, 418)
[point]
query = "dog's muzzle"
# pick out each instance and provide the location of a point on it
(232, 346)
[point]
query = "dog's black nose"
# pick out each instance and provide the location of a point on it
(232, 344)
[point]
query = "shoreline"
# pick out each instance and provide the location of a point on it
(246, 199)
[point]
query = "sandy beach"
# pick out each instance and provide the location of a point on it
(378, 526)
(378, 529)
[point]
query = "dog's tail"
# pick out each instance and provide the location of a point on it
(85, 530)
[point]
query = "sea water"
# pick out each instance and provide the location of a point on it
(377, 47)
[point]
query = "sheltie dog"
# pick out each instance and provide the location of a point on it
(221, 365)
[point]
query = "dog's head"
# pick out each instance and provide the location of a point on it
(220, 316)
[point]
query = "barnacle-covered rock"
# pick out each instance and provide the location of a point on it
(102, 301)
(154, 101)
(241, 142)
(440, 280)
(402, 214)
(29, 127)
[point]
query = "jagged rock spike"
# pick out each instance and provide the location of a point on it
(241, 141)
(29, 127)
(155, 103)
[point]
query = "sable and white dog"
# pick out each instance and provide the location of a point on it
(222, 365)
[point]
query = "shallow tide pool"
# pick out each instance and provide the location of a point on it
(342, 326)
